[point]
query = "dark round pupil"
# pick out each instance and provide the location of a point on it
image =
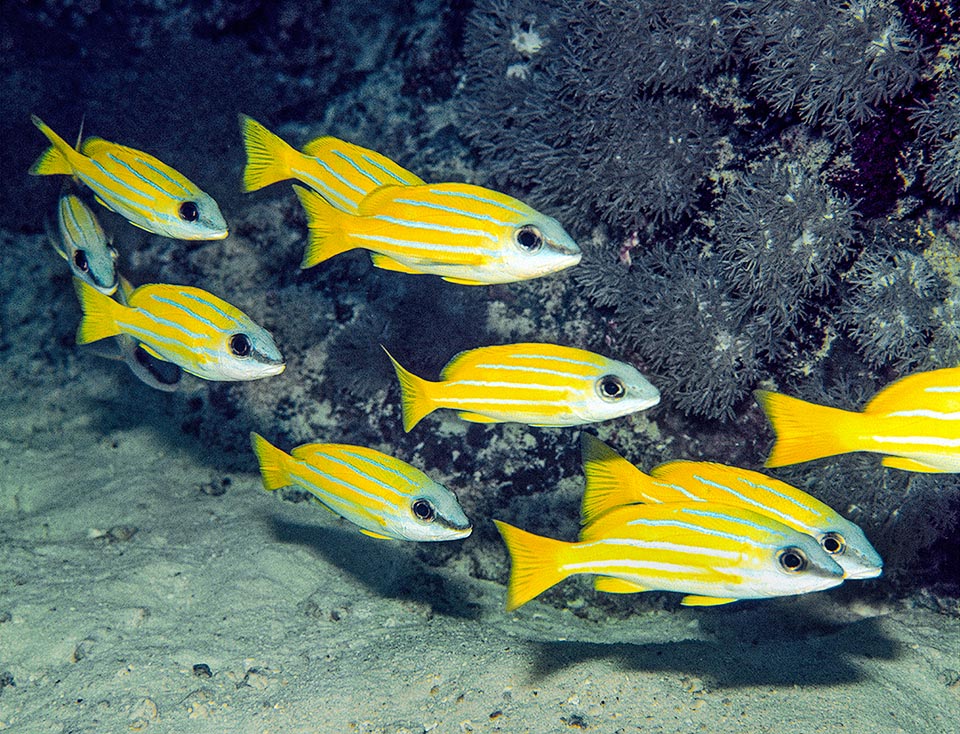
(832, 544)
(423, 510)
(240, 345)
(611, 387)
(528, 238)
(792, 561)
(189, 211)
(80, 260)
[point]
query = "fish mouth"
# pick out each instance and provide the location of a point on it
(457, 529)
(865, 573)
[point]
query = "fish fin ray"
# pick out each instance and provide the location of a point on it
(324, 222)
(805, 431)
(534, 564)
(273, 463)
(55, 160)
(609, 478)
(415, 394)
(904, 464)
(99, 313)
(268, 155)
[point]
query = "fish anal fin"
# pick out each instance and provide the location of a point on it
(463, 281)
(899, 462)
(477, 417)
(375, 535)
(388, 263)
(692, 600)
(613, 585)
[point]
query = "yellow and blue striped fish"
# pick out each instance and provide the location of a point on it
(463, 233)
(613, 481)
(202, 334)
(143, 189)
(537, 384)
(914, 421)
(712, 554)
(84, 246)
(341, 172)
(385, 497)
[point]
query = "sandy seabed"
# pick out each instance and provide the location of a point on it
(143, 589)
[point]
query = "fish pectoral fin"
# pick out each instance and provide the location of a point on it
(613, 585)
(388, 263)
(692, 600)
(477, 418)
(375, 535)
(898, 462)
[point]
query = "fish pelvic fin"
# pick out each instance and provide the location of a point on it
(325, 222)
(415, 394)
(534, 564)
(609, 479)
(268, 155)
(273, 463)
(99, 313)
(55, 160)
(806, 431)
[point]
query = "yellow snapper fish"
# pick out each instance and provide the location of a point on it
(713, 554)
(537, 384)
(385, 497)
(914, 421)
(83, 244)
(612, 481)
(463, 233)
(341, 172)
(202, 334)
(139, 187)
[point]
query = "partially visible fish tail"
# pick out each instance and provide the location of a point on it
(415, 395)
(99, 313)
(325, 223)
(273, 463)
(55, 160)
(805, 431)
(534, 564)
(608, 479)
(268, 155)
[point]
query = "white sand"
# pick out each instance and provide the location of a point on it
(307, 626)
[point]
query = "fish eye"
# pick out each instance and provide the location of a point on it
(80, 260)
(529, 238)
(189, 212)
(240, 345)
(422, 510)
(792, 560)
(833, 543)
(611, 387)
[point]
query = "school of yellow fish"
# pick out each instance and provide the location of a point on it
(713, 533)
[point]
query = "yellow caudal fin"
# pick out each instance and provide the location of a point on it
(806, 431)
(609, 479)
(269, 157)
(415, 394)
(55, 160)
(99, 313)
(326, 228)
(534, 564)
(273, 463)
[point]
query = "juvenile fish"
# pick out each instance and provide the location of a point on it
(341, 172)
(713, 554)
(914, 422)
(385, 497)
(612, 481)
(139, 187)
(202, 334)
(537, 384)
(463, 233)
(82, 243)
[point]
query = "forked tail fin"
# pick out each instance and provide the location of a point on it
(415, 395)
(534, 564)
(806, 431)
(269, 157)
(273, 463)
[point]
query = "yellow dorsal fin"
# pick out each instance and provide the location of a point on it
(94, 145)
